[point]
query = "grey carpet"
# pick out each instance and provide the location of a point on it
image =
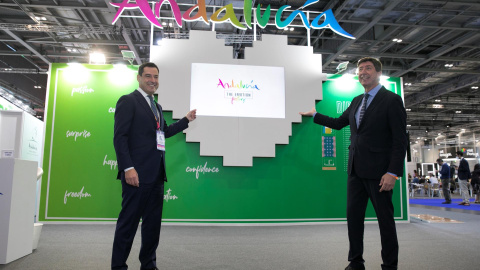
(422, 246)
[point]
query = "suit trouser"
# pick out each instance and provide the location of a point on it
(463, 184)
(359, 190)
(144, 202)
(446, 189)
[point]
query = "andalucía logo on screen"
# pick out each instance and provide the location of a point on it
(240, 86)
(329, 20)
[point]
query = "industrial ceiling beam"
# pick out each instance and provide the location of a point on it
(432, 92)
(469, 36)
(411, 25)
(362, 30)
(56, 6)
(26, 45)
(127, 38)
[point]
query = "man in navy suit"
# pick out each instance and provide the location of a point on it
(139, 140)
(463, 175)
(378, 144)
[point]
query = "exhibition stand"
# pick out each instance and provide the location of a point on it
(21, 137)
(263, 169)
(17, 205)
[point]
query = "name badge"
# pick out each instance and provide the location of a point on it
(160, 140)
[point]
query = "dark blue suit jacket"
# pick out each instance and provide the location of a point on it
(135, 138)
(379, 145)
(464, 170)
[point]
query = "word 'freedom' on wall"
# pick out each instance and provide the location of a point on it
(152, 13)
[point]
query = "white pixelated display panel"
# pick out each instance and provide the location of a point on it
(238, 90)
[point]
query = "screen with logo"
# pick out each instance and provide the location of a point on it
(238, 90)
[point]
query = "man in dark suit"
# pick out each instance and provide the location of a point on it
(139, 140)
(378, 144)
(445, 178)
(463, 175)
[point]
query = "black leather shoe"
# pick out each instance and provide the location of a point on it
(446, 202)
(351, 268)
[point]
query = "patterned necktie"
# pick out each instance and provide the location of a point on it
(152, 105)
(364, 107)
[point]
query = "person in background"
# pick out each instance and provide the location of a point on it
(422, 180)
(463, 176)
(476, 182)
(433, 181)
(453, 179)
(415, 180)
(445, 178)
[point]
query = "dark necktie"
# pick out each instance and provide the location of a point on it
(364, 107)
(152, 105)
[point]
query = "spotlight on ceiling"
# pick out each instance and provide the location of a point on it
(129, 56)
(97, 58)
(342, 67)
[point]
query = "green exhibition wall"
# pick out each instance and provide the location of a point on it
(305, 182)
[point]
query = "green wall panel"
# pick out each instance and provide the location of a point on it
(298, 185)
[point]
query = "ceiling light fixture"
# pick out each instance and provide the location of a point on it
(97, 58)
(128, 55)
(342, 67)
(458, 111)
(448, 65)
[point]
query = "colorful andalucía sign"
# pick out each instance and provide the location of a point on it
(198, 12)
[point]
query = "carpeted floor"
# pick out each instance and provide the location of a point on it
(438, 203)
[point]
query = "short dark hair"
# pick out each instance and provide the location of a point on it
(144, 65)
(439, 160)
(376, 63)
(460, 153)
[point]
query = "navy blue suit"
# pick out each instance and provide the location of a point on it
(377, 146)
(135, 146)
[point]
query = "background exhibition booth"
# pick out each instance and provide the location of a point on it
(248, 159)
(237, 163)
(21, 141)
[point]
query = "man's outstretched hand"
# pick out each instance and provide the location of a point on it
(192, 115)
(309, 113)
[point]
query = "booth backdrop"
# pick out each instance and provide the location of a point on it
(304, 182)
